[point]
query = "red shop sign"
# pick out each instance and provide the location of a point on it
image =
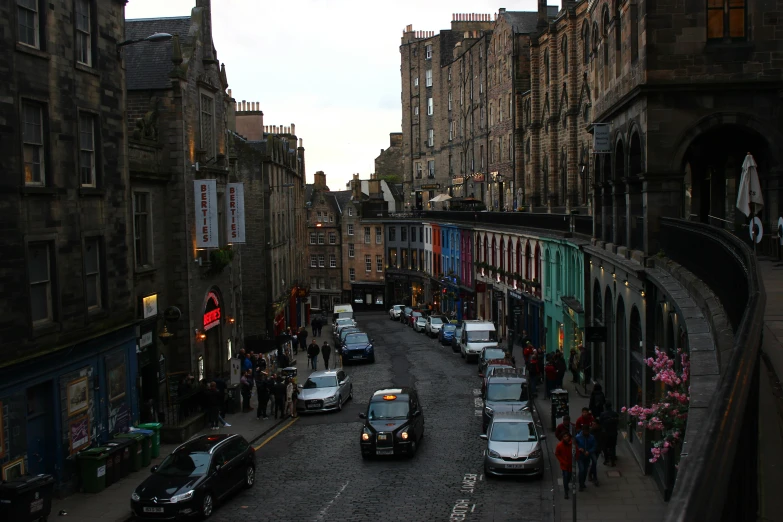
(211, 312)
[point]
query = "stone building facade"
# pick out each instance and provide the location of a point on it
(68, 351)
(388, 164)
(272, 168)
(325, 244)
(177, 115)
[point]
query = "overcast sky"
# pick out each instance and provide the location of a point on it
(332, 67)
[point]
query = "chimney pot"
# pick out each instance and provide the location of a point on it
(293, 129)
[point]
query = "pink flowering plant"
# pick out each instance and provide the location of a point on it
(670, 414)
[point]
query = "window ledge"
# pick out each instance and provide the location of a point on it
(91, 191)
(86, 69)
(144, 270)
(45, 329)
(723, 46)
(39, 191)
(32, 51)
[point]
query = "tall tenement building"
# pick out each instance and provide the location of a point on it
(325, 243)
(68, 363)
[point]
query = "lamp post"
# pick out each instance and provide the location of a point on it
(155, 37)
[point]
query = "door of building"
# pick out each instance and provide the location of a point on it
(40, 426)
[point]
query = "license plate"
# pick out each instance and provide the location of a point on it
(312, 406)
(36, 505)
(515, 466)
(381, 437)
(384, 452)
(153, 510)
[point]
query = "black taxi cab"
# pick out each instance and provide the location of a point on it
(393, 423)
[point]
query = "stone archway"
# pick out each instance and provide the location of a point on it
(610, 380)
(635, 171)
(618, 179)
(622, 354)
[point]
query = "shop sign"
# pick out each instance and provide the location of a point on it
(478, 178)
(235, 203)
(514, 294)
(205, 192)
(602, 143)
(431, 186)
(79, 433)
(146, 339)
(149, 306)
(458, 181)
(211, 312)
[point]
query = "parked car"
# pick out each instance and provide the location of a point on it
(394, 312)
(446, 334)
(195, 476)
(414, 317)
(513, 446)
(345, 331)
(456, 339)
(325, 391)
(342, 323)
(492, 352)
(405, 314)
(420, 324)
(393, 423)
(357, 346)
(506, 390)
(434, 324)
(492, 364)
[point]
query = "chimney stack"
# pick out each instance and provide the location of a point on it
(293, 129)
(543, 19)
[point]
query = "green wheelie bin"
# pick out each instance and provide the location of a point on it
(92, 469)
(146, 445)
(155, 427)
(135, 449)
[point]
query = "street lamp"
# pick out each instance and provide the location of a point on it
(155, 37)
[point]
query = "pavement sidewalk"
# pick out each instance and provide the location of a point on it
(625, 492)
(113, 503)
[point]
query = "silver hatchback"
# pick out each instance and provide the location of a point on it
(513, 446)
(324, 391)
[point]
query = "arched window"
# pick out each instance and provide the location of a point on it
(605, 46)
(528, 262)
(548, 276)
(510, 263)
(559, 272)
(546, 65)
(586, 42)
(538, 263)
(564, 51)
(563, 176)
(494, 252)
(519, 258)
(545, 174)
(486, 249)
(502, 255)
(478, 249)
(618, 40)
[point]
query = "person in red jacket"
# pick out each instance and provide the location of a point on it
(527, 351)
(565, 427)
(550, 374)
(564, 455)
(586, 419)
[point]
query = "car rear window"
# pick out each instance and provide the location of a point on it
(507, 391)
(356, 338)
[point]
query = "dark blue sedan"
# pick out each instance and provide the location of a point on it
(446, 333)
(357, 346)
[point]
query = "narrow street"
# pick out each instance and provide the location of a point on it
(313, 470)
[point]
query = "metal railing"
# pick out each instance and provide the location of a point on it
(717, 478)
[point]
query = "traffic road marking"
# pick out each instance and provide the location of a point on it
(278, 432)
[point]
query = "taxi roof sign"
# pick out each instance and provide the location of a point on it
(389, 397)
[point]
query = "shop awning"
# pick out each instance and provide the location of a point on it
(573, 304)
(368, 283)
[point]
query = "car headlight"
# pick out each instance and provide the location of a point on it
(494, 454)
(135, 496)
(366, 434)
(181, 498)
(489, 411)
(333, 398)
(404, 434)
(368, 349)
(535, 454)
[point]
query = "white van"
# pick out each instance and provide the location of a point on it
(342, 310)
(476, 335)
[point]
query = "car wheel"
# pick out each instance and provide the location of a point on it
(366, 456)
(540, 475)
(250, 477)
(350, 392)
(487, 474)
(414, 449)
(372, 359)
(339, 403)
(207, 505)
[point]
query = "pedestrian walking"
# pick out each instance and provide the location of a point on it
(295, 343)
(586, 419)
(584, 363)
(527, 352)
(289, 398)
(573, 365)
(326, 352)
(565, 427)
(303, 338)
(314, 326)
(312, 353)
(585, 448)
(610, 421)
(550, 374)
(213, 405)
(600, 438)
(560, 365)
(320, 323)
(262, 391)
(564, 455)
(597, 401)
(246, 384)
(279, 391)
(532, 375)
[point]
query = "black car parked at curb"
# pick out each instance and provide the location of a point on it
(393, 424)
(194, 477)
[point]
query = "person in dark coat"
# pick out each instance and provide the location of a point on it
(573, 365)
(597, 401)
(246, 385)
(314, 326)
(312, 353)
(303, 339)
(326, 352)
(550, 376)
(213, 405)
(279, 394)
(584, 363)
(532, 375)
(560, 365)
(262, 391)
(610, 421)
(283, 361)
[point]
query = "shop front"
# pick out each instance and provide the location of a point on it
(51, 407)
(148, 361)
(525, 314)
(213, 359)
(404, 289)
(573, 326)
(367, 296)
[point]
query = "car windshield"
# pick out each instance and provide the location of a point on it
(416, 314)
(357, 339)
(521, 431)
(324, 381)
(184, 464)
(494, 353)
(345, 331)
(436, 320)
(481, 335)
(507, 391)
(397, 307)
(388, 410)
(344, 321)
(449, 328)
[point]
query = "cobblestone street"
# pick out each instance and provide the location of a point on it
(313, 471)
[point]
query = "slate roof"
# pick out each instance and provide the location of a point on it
(525, 22)
(341, 197)
(395, 190)
(148, 64)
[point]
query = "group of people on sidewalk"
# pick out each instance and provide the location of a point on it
(312, 354)
(594, 433)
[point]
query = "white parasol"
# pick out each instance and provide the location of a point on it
(749, 192)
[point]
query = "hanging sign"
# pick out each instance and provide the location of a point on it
(235, 203)
(602, 144)
(205, 191)
(756, 230)
(211, 312)
(150, 305)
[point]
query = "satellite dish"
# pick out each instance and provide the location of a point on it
(756, 229)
